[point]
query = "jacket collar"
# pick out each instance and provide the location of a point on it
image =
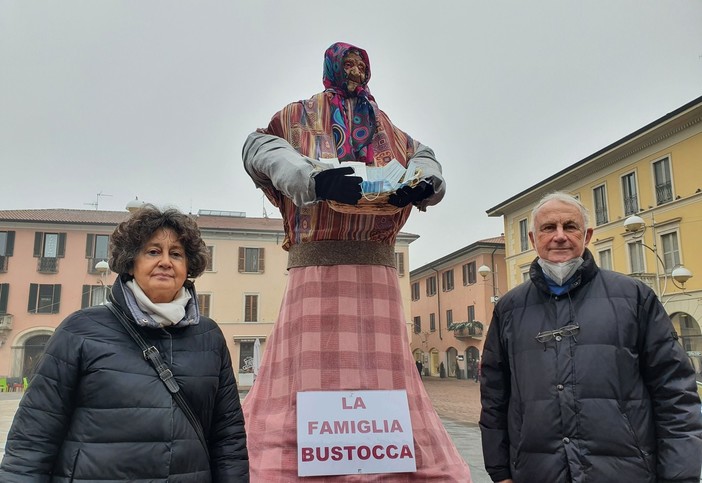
(583, 274)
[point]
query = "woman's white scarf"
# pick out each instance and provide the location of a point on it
(164, 314)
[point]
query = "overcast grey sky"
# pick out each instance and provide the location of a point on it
(155, 98)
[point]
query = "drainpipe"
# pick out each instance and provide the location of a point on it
(494, 278)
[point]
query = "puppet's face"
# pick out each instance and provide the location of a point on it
(355, 70)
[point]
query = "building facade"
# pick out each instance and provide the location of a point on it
(48, 262)
(452, 301)
(655, 174)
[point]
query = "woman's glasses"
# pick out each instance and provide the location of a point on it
(570, 330)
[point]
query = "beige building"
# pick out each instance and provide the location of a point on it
(48, 270)
(452, 301)
(655, 175)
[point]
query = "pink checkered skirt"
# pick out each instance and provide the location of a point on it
(340, 328)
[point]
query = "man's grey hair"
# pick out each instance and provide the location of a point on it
(563, 197)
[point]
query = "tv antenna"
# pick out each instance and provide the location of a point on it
(96, 203)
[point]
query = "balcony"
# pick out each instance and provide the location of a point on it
(647, 278)
(5, 322)
(467, 330)
(47, 265)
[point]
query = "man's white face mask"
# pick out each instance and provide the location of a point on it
(560, 272)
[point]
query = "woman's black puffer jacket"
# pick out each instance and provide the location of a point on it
(616, 402)
(97, 411)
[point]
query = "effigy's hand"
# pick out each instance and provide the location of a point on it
(406, 195)
(334, 184)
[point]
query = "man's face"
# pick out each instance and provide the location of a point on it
(559, 233)
(355, 70)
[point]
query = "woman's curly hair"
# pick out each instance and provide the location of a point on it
(131, 235)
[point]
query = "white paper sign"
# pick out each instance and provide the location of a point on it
(354, 432)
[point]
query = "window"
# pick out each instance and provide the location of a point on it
(432, 322)
(636, 258)
(605, 257)
(418, 325)
(250, 308)
(447, 280)
(662, 180)
(449, 317)
(44, 299)
(631, 200)
(210, 259)
(525, 276)
(431, 286)
(523, 235)
(246, 357)
(671, 251)
(203, 301)
(471, 313)
(400, 263)
(251, 260)
(600, 196)
(4, 294)
(48, 248)
(93, 295)
(96, 249)
(7, 245)
(415, 290)
(469, 273)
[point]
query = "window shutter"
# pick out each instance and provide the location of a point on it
(242, 259)
(32, 306)
(247, 308)
(260, 260)
(85, 299)
(89, 245)
(254, 308)
(4, 290)
(38, 239)
(400, 262)
(61, 251)
(56, 300)
(10, 246)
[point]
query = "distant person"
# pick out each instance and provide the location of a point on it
(96, 409)
(583, 378)
(341, 325)
(420, 366)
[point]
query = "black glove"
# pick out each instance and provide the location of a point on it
(333, 184)
(406, 195)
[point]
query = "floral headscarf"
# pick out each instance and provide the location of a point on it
(353, 137)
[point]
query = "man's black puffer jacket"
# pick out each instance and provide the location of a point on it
(97, 411)
(617, 402)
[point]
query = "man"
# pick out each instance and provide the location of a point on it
(341, 325)
(583, 379)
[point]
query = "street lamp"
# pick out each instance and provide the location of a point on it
(135, 205)
(679, 274)
(484, 271)
(102, 267)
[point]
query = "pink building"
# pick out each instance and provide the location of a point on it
(452, 301)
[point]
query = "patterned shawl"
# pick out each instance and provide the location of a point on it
(352, 136)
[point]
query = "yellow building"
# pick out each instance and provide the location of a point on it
(48, 270)
(654, 174)
(452, 301)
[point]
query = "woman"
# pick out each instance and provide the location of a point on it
(96, 409)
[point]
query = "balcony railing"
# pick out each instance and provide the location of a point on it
(664, 193)
(467, 330)
(647, 278)
(47, 265)
(631, 205)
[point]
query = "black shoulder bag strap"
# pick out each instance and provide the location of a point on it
(152, 354)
